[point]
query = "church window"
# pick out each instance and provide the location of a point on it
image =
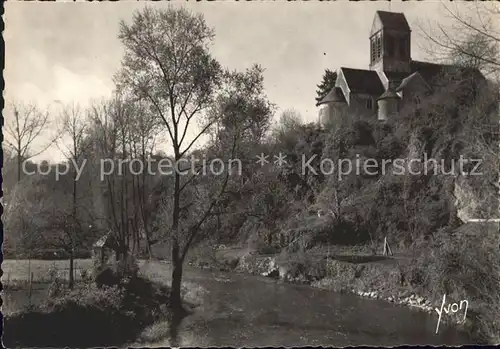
(373, 50)
(417, 100)
(379, 47)
(369, 104)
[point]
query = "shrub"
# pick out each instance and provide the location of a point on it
(55, 288)
(107, 299)
(113, 272)
(202, 255)
(56, 284)
(106, 277)
(463, 264)
(112, 315)
(390, 147)
(267, 243)
(86, 276)
(303, 265)
(127, 267)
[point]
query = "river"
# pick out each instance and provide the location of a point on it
(244, 310)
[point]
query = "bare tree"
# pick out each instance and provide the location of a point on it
(111, 134)
(289, 122)
(22, 218)
(74, 126)
(26, 124)
(145, 131)
(472, 40)
(19, 217)
(124, 130)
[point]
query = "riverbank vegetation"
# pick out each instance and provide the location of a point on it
(114, 311)
(290, 221)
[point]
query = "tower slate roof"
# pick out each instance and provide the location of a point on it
(393, 20)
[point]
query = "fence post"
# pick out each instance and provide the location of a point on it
(387, 248)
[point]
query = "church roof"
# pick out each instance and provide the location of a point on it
(395, 79)
(409, 78)
(335, 95)
(429, 71)
(368, 81)
(393, 20)
(389, 94)
(363, 81)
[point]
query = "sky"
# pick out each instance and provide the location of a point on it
(68, 52)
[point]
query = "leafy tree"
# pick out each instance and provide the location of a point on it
(246, 113)
(327, 83)
(168, 65)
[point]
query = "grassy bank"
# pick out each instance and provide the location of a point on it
(19, 294)
(58, 317)
(134, 311)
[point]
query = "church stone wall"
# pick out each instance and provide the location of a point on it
(331, 114)
(358, 105)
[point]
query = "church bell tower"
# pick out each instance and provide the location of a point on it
(390, 43)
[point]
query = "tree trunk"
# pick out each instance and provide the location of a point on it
(19, 160)
(175, 292)
(148, 245)
(72, 233)
(71, 272)
(124, 262)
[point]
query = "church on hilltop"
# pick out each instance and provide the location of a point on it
(392, 81)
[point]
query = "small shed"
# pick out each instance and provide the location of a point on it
(104, 248)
